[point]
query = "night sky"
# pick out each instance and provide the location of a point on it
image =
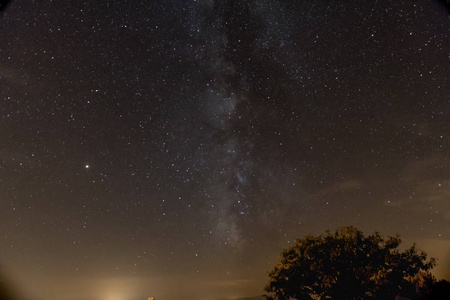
(174, 148)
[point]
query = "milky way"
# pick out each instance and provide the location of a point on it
(173, 148)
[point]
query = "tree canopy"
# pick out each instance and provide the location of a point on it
(348, 265)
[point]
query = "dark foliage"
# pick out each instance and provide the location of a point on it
(347, 265)
(437, 290)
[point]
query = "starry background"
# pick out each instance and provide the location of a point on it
(173, 148)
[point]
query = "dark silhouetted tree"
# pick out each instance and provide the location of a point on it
(348, 265)
(435, 290)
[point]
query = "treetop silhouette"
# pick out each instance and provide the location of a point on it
(346, 264)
